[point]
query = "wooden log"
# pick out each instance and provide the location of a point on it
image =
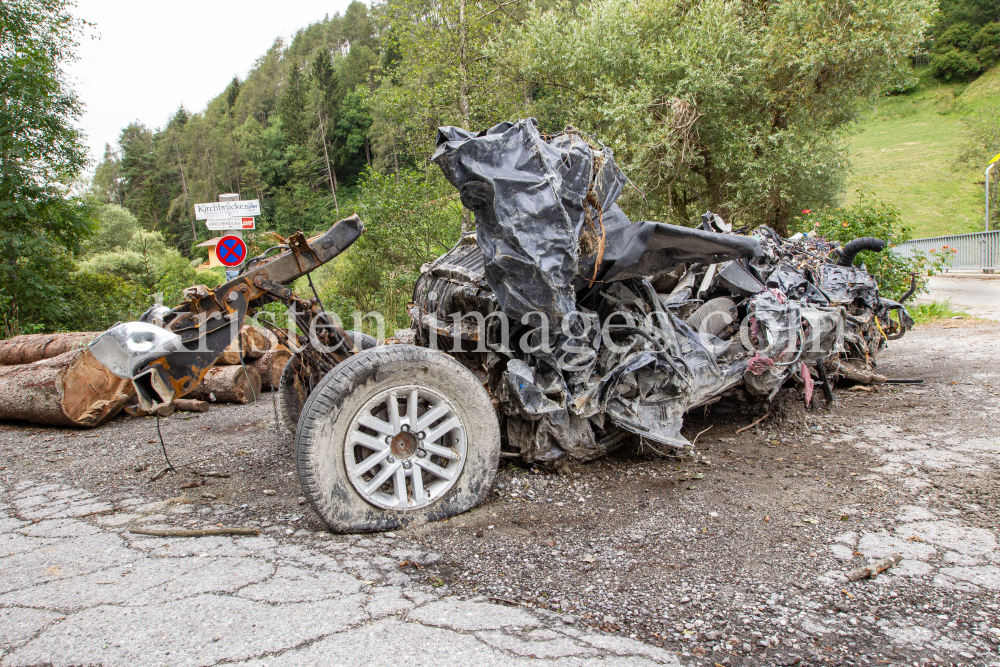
(191, 405)
(73, 389)
(253, 346)
(270, 366)
(30, 348)
(264, 341)
(228, 384)
(255, 343)
(180, 405)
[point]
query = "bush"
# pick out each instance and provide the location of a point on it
(958, 36)
(922, 313)
(98, 302)
(954, 65)
(868, 218)
(986, 44)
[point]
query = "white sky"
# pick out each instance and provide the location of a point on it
(153, 56)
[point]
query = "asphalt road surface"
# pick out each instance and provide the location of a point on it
(734, 556)
(977, 296)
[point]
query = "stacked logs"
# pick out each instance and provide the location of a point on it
(263, 359)
(53, 379)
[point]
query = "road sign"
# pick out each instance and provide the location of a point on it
(231, 250)
(230, 223)
(226, 209)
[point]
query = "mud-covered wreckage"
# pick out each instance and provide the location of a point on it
(558, 330)
(689, 314)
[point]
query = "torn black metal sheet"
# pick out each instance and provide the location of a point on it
(529, 195)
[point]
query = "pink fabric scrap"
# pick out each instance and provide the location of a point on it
(807, 382)
(758, 364)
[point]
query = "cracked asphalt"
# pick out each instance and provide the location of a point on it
(77, 589)
(733, 556)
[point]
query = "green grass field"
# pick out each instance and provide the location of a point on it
(907, 154)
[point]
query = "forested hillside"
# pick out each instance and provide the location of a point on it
(737, 107)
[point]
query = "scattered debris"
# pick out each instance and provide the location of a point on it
(193, 532)
(752, 424)
(875, 568)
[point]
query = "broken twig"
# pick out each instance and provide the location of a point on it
(192, 532)
(873, 569)
(750, 426)
(699, 435)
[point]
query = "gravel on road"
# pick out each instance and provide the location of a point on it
(732, 555)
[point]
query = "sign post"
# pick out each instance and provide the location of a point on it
(233, 215)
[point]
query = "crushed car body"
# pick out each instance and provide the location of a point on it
(645, 320)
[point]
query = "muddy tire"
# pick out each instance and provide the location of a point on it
(292, 396)
(363, 468)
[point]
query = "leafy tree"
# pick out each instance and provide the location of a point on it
(115, 228)
(41, 150)
(443, 73)
(986, 44)
(958, 36)
(410, 218)
(738, 108)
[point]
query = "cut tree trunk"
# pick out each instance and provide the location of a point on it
(30, 348)
(228, 384)
(270, 366)
(254, 345)
(73, 389)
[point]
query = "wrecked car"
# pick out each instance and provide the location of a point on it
(559, 330)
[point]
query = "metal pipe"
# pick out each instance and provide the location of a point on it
(988, 193)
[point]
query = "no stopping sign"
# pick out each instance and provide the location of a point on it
(231, 250)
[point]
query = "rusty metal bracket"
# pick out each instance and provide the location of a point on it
(208, 320)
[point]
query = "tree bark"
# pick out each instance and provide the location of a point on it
(30, 348)
(229, 384)
(180, 165)
(329, 167)
(72, 389)
(270, 366)
(254, 345)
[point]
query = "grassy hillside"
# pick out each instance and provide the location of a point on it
(907, 154)
(981, 93)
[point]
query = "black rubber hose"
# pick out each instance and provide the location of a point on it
(909, 292)
(850, 251)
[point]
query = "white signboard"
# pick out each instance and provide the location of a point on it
(226, 209)
(230, 223)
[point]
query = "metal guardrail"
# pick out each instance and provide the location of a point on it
(977, 251)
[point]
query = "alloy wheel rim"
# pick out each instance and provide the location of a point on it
(405, 448)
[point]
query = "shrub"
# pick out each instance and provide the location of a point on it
(954, 65)
(986, 44)
(98, 301)
(958, 36)
(881, 220)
